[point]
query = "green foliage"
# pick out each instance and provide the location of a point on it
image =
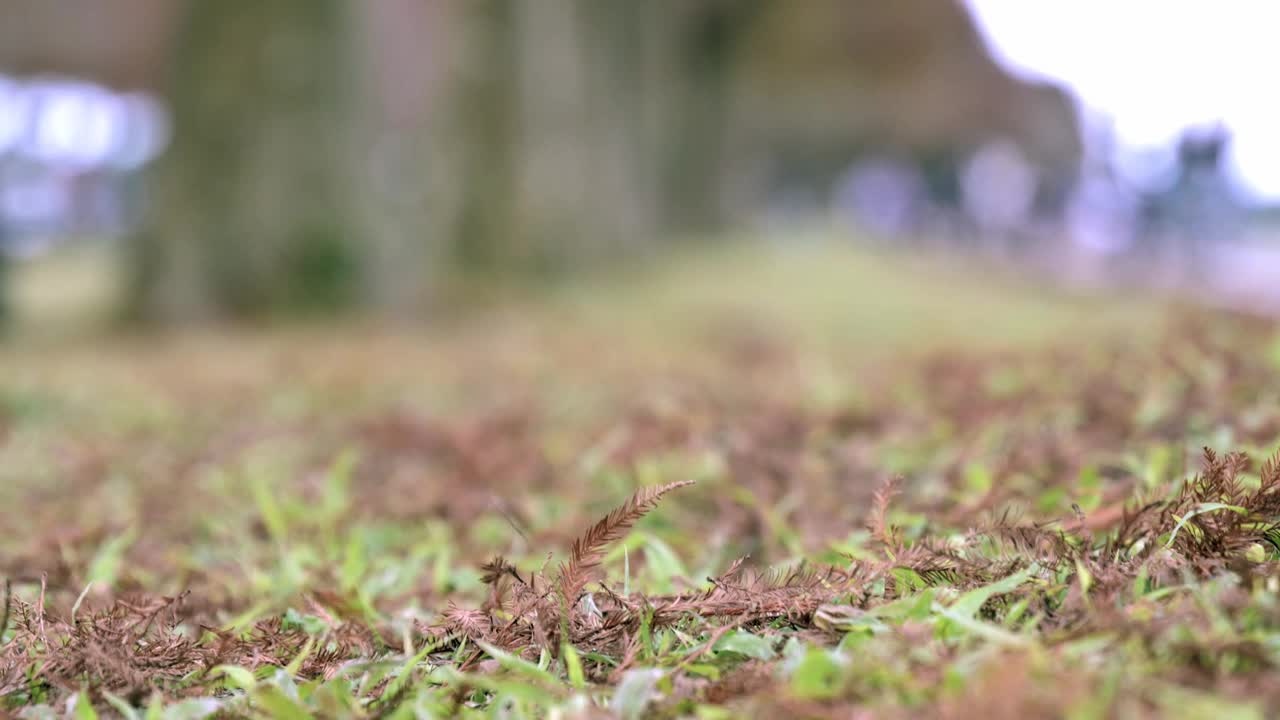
(372, 526)
(746, 644)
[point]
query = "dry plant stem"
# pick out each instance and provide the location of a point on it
(878, 523)
(589, 549)
(628, 659)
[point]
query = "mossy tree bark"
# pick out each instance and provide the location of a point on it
(623, 82)
(588, 128)
(400, 161)
(485, 125)
(574, 129)
(250, 203)
(707, 39)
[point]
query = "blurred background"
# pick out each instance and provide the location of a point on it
(166, 162)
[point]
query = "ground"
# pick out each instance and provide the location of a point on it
(796, 482)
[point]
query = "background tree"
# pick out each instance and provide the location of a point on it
(708, 37)
(251, 203)
(486, 129)
(590, 128)
(330, 154)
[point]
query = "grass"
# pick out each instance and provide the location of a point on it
(807, 483)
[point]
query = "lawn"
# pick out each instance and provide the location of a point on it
(782, 482)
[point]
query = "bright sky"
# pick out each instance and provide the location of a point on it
(1155, 67)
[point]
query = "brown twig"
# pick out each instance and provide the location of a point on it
(878, 523)
(588, 550)
(628, 658)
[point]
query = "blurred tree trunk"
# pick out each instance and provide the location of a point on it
(485, 126)
(401, 160)
(574, 129)
(250, 203)
(543, 167)
(555, 199)
(622, 116)
(707, 38)
(587, 127)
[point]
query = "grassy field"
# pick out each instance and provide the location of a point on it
(783, 483)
